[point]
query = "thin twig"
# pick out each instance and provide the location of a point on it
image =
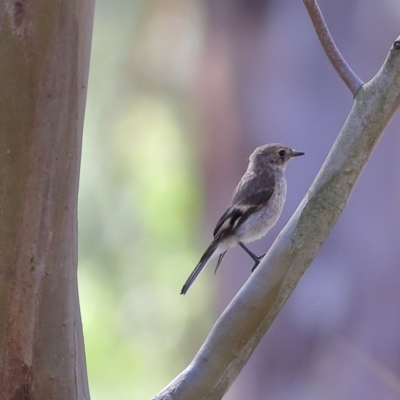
(348, 76)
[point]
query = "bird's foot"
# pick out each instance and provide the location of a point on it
(259, 258)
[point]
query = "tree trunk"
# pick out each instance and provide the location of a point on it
(44, 53)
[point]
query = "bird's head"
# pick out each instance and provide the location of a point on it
(272, 154)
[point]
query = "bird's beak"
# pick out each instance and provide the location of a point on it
(297, 153)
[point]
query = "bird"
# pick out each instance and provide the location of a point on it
(255, 207)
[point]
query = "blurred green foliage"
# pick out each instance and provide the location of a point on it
(139, 200)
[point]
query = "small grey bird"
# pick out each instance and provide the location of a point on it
(256, 205)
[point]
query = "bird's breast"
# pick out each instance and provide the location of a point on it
(258, 224)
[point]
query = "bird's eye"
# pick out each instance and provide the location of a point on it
(282, 153)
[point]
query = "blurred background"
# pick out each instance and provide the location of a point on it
(180, 93)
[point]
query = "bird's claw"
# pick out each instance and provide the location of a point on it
(260, 257)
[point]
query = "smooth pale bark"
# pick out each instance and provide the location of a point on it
(245, 321)
(44, 53)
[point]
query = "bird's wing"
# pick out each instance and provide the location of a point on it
(251, 194)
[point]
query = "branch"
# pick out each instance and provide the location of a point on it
(245, 321)
(348, 76)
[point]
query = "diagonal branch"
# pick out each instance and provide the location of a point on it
(348, 76)
(247, 318)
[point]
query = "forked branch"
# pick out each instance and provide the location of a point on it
(245, 321)
(348, 76)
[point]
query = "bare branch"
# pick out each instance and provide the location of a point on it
(245, 321)
(348, 76)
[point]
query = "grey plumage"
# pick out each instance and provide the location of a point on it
(255, 207)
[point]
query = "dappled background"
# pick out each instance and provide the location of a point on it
(180, 93)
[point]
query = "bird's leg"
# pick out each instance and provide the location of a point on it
(252, 255)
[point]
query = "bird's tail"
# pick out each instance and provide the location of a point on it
(220, 258)
(206, 257)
